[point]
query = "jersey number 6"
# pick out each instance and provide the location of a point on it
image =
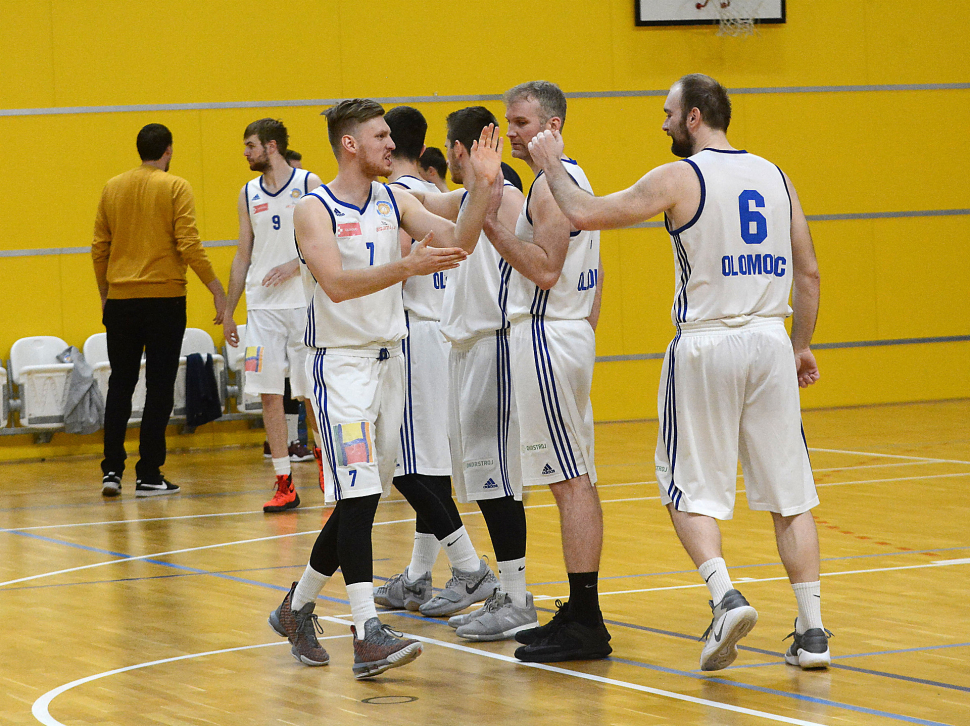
(754, 226)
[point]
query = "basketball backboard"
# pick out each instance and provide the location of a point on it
(697, 12)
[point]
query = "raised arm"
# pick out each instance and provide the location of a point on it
(658, 191)
(486, 159)
(444, 205)
(314, 234)
(806, 284)
(542, 259)
(240, 267)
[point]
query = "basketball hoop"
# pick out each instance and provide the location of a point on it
(735, 17)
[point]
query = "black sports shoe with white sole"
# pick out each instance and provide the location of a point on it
(154, 489)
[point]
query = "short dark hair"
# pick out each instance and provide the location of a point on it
(408, 129)
(344, 118)
(269, 129)
(707, 96)
(153, 141)
(466, 124)
(291, 155)
(547, 94)
(432, 157)
(512, 176)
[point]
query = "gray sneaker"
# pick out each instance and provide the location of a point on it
(733, 619)
(501, 619)
(300, 627)
(400, 592)
(463, 589)
(380, 649)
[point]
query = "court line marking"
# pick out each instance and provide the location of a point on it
(891, 456)
(935, 563)
(40, 709)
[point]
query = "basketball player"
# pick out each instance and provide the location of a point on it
(731, 375)
(423, 468)
(267, 266)
(294, 158)
(347, 232)
(483, 420)
(553, 301)
(434, 168)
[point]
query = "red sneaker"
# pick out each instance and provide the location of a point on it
(285, 497)
(318, 455)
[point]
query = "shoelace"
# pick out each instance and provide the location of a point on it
(494, 602)
(315, 626)
(792, 634)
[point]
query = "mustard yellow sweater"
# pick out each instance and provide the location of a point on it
(145, 236)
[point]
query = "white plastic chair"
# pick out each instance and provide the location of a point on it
(245, 402)
(198, 341)
(41, 379)
(96, 354)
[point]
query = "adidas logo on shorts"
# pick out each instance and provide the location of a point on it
(490, 484)
(547, 469)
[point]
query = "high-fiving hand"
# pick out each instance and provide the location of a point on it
(546, 149)
(486, 155)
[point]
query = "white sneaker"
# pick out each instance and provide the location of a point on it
(733, 619)
(501, 619)
(810, 650)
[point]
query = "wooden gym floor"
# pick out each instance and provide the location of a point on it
(154, 611)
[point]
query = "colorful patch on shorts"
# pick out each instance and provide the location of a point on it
(354, 444)
(254, 359)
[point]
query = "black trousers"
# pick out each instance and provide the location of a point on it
(154, 325)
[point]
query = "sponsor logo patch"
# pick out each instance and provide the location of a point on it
(348, 229)
(479, 464)
(660, 468)
(490, 484)
(383, 208)
(260, 208)
(529, 448)
(354, 443)
(385, 228)
(254, 359)
(296, 193)
(547, 470)
(337, 212)
(256, 196)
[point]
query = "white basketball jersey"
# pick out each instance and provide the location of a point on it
(365, 237)
(423, 294)
(733, 259)
(271, 216)
(477, 293)
(571, 298)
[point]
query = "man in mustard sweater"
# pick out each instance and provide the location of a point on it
(144, 237)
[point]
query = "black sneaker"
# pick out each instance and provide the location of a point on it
(526, 637)
(568, 640)
(810, 650)
(154, 489)
(111, 485)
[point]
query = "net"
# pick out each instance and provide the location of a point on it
(735, 17)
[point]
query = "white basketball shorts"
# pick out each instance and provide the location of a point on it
(358, 397)
(424, 436)
(482, 421)
(723, 392)
(275, 350)
(552, 373)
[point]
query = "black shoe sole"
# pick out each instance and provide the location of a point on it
(275, 510)
(563, 655)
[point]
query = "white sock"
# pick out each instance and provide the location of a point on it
(361, 595)
(424, 554)
(461, 553)
(282, 466)
(715, 574)
(512, 576)
(808, 595)
(292, 427)
(308, 588)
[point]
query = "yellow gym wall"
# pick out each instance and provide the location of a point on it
(71, 71)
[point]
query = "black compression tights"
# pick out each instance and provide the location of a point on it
(430, 497)
(505, 518)
(345, 540)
